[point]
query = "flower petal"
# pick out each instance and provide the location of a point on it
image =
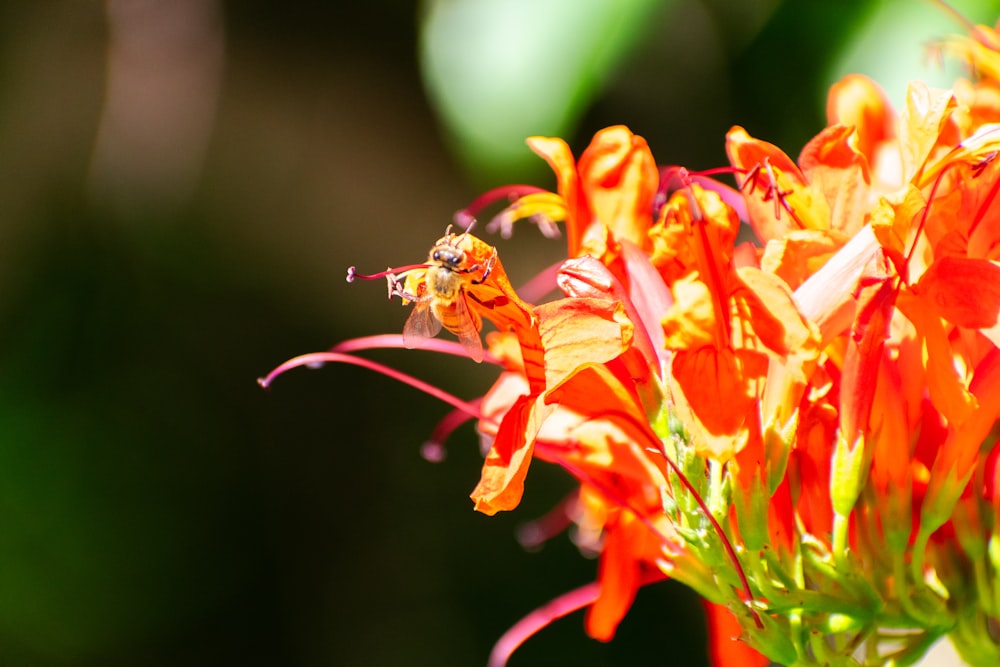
(620, 179)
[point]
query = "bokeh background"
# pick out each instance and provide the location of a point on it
(182, 185)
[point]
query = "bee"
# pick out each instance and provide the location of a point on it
(440, 296)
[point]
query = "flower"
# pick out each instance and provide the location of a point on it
(804, 431)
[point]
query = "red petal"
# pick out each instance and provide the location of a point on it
(724, 646)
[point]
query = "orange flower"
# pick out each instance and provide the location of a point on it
(804, 432)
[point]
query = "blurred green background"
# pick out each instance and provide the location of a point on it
(182, 185)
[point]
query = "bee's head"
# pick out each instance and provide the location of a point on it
(448, 255)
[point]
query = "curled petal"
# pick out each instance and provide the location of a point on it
(587, 277)
(501, 483)
(759, 160)
(620, 178)
(840, 174)
(557, 153)
(921, 125)
(857, 101)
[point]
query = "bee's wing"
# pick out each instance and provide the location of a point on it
(420, 325)
(464, 326)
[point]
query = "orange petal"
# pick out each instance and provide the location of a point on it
(840, 173)
(800, 253)
(579, 331)
(619, 178)
(768, 220)
(921, 124)
(556, 152)
(619, 576)
(946, 388)
(501, 484)
(859, 102)
(724, 647)
(965, 291)
(717, 388)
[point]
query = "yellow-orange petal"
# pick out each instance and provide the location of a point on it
(619, 178)
(800, 254)
(840, 173)
(691, 322)
(556, 152)
(773, 316)
(921, 125)
(859, 102)
(501, 483)
(578, 331)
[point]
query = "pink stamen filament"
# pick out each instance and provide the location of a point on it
(395, 341)
(535, 533)
(540, 618)
(674, 178)
(319, 358)
(433, 450)
(726, 544)
(352, 272)
(466, 217)
(565, 604)
(540, 284)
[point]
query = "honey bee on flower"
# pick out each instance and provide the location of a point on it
(439, 295)
(441, 288)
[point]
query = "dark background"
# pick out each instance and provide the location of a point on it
(156, 506)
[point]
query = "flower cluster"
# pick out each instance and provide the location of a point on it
(802, 429)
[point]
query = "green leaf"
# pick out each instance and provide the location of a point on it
(499, 71)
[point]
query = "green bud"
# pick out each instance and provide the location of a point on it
(848, 473)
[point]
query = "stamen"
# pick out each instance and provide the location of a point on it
(395, 341)
(472, 409)
(534, 534)
(433, 450)
(352, 272)
(540, 284)
(539, 619)
(674, 178)
(771, 191)
(466, 217)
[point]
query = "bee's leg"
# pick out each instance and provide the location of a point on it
(490, 263)
(396, 289)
